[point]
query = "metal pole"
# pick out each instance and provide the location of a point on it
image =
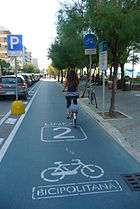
(90, 58)
(16, 77)
(103, 92)
(133, 68)
(105, 67)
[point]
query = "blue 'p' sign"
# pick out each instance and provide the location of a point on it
(14, 42)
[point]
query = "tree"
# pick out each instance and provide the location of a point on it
(57, 54)
(30, 68)
(51, 70)
(4, 65)
(117, 22)
(68, 51)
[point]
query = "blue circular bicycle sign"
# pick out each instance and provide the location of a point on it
(90, 41)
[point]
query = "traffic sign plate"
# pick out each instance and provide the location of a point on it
(14, 45)
(90, 41)
(90, 51)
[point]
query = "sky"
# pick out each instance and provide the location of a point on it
(35, 21)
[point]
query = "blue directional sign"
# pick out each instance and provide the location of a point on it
(90, 41)
(14, 45)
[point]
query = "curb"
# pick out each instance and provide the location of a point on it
(111, 130)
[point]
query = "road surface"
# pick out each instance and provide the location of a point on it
(51, 165)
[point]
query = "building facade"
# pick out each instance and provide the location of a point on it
(35, 62)
(3, 44)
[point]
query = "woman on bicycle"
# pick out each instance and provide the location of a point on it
(71, 83)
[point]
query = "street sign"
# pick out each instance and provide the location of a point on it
(103, 55)
(103, 60)
(14, 45)
(103, 46)
(90, 41)
(90, 51)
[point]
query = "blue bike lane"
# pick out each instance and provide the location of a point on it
(50, 164)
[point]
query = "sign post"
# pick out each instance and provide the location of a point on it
(14, 49)
(103, 67)
(14, 46)
(90, 44)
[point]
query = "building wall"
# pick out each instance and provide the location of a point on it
(3, 44)
(35, 62)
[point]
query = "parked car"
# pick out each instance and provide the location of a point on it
(8, 86)
(32, 79)
(27, 79)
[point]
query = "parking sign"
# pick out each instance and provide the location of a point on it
(14, 45)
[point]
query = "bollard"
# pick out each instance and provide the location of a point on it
(17, 107)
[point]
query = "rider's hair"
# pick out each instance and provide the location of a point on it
(72, 78)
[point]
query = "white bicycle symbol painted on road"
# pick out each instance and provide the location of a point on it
(54, 174)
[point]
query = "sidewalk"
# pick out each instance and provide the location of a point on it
(126, 131)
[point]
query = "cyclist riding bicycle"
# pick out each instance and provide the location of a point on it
(71, 83)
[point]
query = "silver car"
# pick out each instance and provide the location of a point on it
(8, 86)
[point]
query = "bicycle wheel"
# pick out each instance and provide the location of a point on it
(50, 174)
(92, 171)
(74, 119)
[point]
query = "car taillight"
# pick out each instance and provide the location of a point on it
(21, 85)
(1, 86)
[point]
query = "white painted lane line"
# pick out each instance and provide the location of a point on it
(1, 140)
(5, 117)
(25, 102)
(12, 134)
(11, 121)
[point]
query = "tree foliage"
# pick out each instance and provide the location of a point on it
(116, 21)
(4, 65)
(30, 68)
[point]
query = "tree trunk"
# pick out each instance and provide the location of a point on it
(61, 75)
(110, 77)
(58, 76)
(81, 73)
(122, 77)
(85, 88)
(112, 105)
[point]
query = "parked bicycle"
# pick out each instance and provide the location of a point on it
(91, 94)
(58, 172)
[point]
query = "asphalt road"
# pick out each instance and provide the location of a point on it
(50, 164)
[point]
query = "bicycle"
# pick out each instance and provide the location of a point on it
(54, 174)
(74, 112)
(91, 94)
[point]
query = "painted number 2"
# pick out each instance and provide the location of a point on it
(63, 134)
